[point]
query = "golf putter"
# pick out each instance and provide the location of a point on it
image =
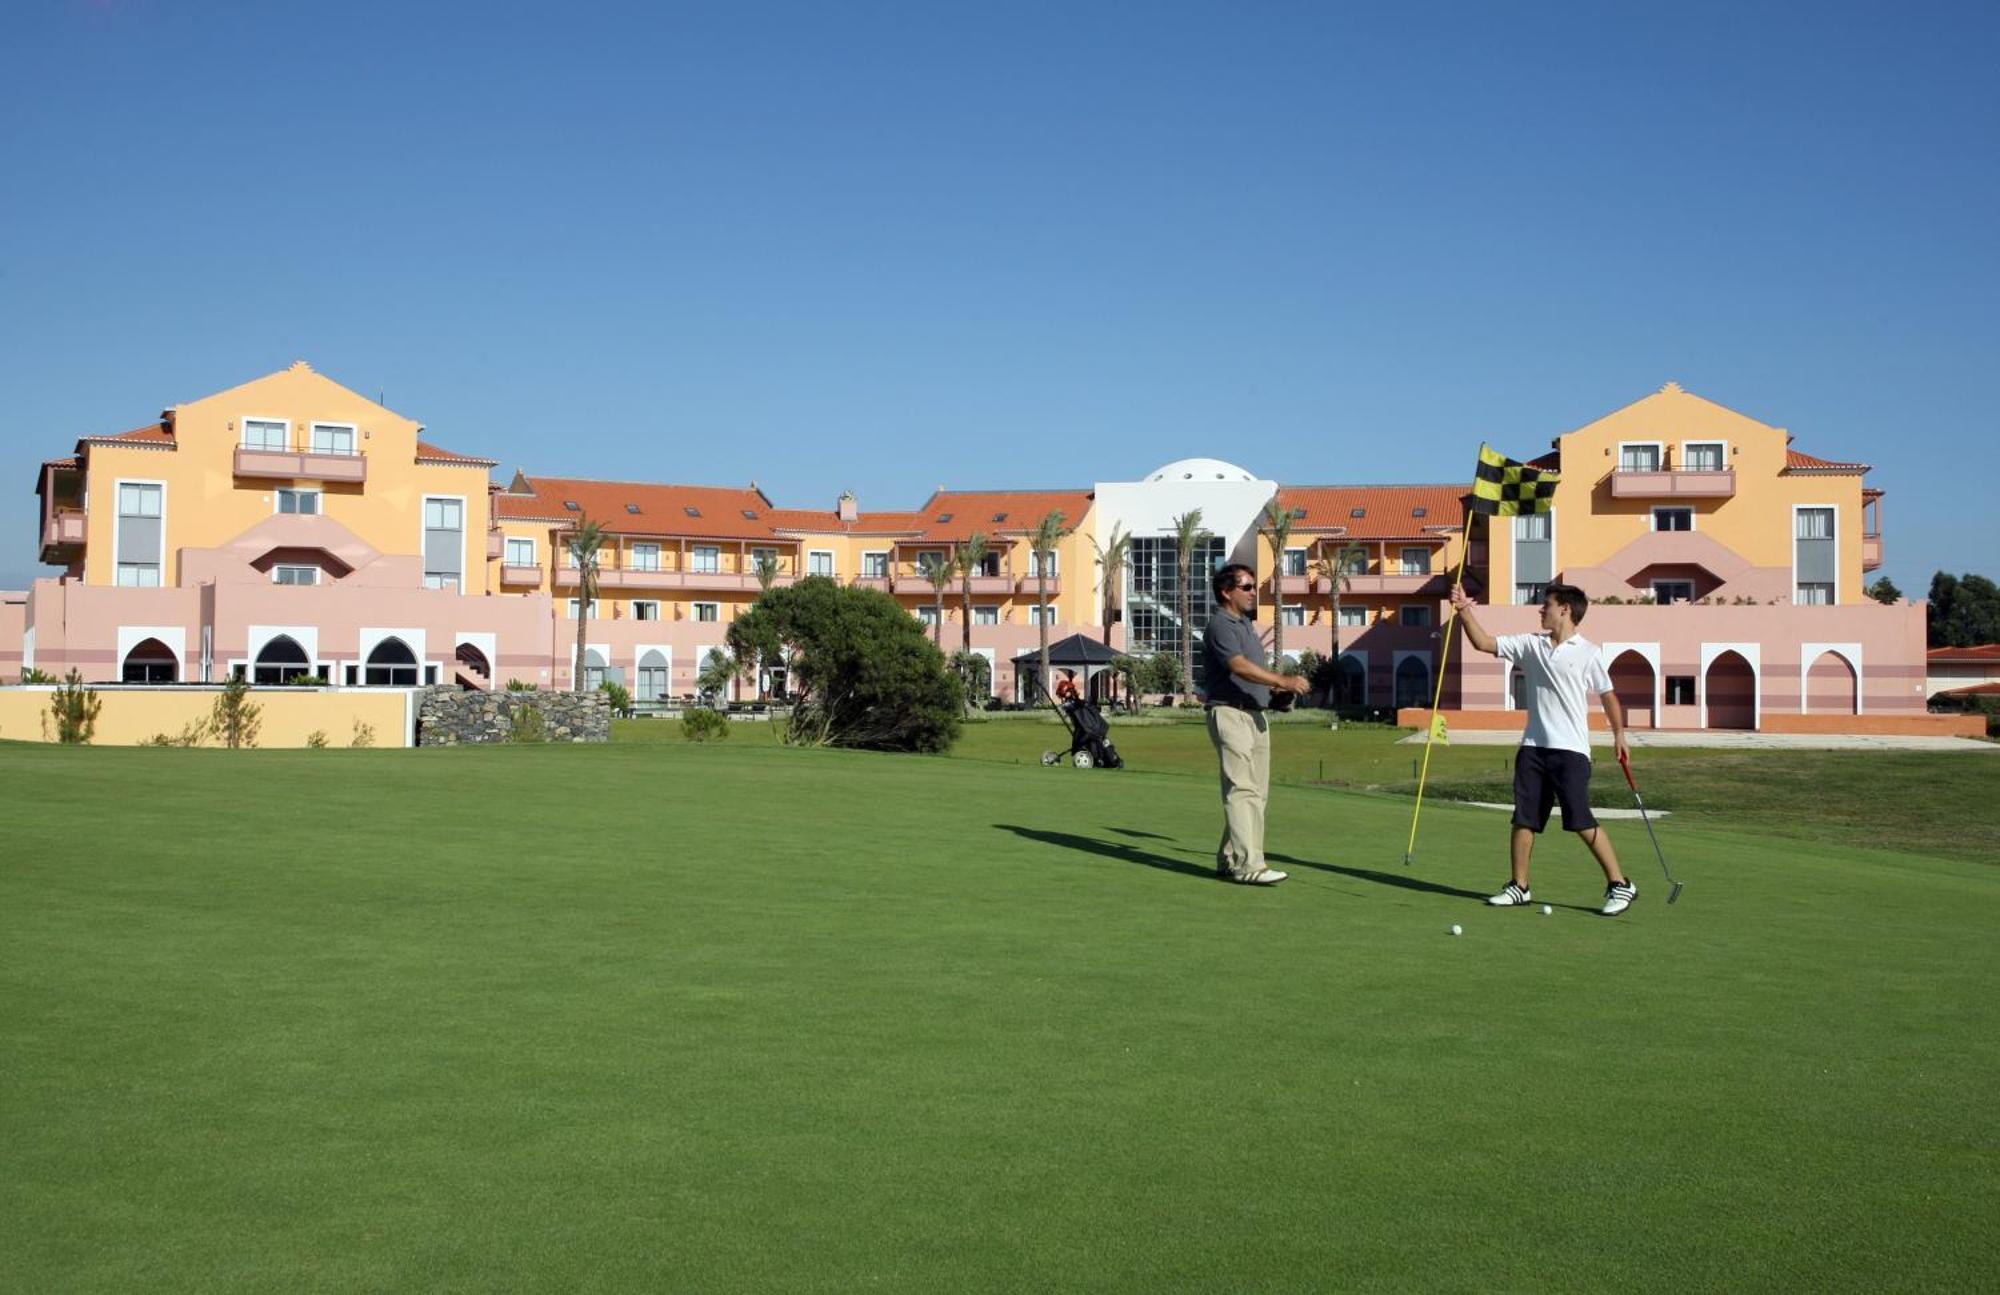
(1625, 763)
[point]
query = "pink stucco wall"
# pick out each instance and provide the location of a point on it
(13, 625)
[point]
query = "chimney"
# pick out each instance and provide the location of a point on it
(848, 509)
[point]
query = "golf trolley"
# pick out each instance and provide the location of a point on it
(1089, 738)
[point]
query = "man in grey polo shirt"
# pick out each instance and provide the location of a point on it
(1239, 694)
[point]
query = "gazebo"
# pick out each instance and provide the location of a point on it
(1080, 653)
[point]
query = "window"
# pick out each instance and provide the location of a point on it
(1357, 512)
(653, 680)
(1701, 456)
(705, 558)
(1534, 557)
(989, 564)
(288, 574)
(1673, 519)
(1680, 690)
(1814, 556)
(1040, 562)
(758, 556)
(985, 615)
(1420, 511)
(333, 438)
(819, 562)
(520, 553)
(1152, 591)
(1039, 614)
(927, 615)
(646, 557)
(691, 510)
(645, 609)
(444, 542)
(1295, 614)
(1642, 457)
(1295, 562)
(282, 660)
(875, 566)
(998, 518)
(298, 501)
(141, 508)
(266, 434)
(633, 509)
(1354, 562)
(1353, 618)
(710, 612)
(596, 613)
(1416, 615)
(1673, 591)
(1416, 561)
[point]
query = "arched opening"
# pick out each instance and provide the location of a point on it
(1350, 682)
(1632, 683)
(654, 682)
(149, 661)
(1831, 686)
(391, 665)
(1413, 682)
(594, 667)
(1731, 692)
(474, 670)
(281, 661)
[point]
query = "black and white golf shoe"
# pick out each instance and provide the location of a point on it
(1515, 893)
(1618, 897)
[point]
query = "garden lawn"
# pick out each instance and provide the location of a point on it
(655, 1016)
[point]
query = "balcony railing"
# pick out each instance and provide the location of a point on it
(1633, 483)
(701, 581)
(1295, 586)
(880, 584)
(64, 526)
(1027, 586)
(496, 544)
(1391, 584)
(520, 574)
(309, 465)
(1871, 552)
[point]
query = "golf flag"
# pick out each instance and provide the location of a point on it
(1438, 731)
(1502, 487)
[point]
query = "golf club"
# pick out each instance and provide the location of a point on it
(1625, 763)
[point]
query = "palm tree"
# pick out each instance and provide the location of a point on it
(585, 544)
(1042, 543)
(971, 557)
(1335, 569)
(767, 570)
(937, 569)
(1277, 529)
(1113, 557)
(1188, 537)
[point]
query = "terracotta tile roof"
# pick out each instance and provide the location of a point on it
(825, 521)
(152, 434)
(1388, 512)
(1795, 461)
(439, 454)
(1975, 690)
(1979, 654)
(699, 512)
(1553, 459)
(69, 462)
(953, 515)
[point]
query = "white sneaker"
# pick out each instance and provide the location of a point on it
(1618, 897)
(1514, 894)
(1268, 877)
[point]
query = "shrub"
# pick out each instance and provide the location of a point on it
(975, 672)
(32, 675)
(621, 700)
(1160, 673)
(234, 718)
(74, 709)
(364, 735)
(528, 726)
(704, 725)
(863, 672)
(316, 740)
(522, 685)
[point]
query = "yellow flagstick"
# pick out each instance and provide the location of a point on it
(1437, 695)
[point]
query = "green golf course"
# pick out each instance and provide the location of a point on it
(657, 1015)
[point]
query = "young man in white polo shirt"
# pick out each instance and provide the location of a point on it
(1553, 765)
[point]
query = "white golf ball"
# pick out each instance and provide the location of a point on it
(1456, 929)
(1546, 910)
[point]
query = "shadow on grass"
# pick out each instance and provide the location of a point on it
(1109, 849)
(1133, 831)
(1398, 879)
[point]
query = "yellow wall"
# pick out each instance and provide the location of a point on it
(287, 716)
(207, 505)
(1756, 522)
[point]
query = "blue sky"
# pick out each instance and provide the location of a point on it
(889, 247)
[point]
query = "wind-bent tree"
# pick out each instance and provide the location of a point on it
(937, 569)
(1277, 528)
(586, 545)
(1042, 543)
(1188, 539)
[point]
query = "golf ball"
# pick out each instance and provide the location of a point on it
(1546, 910)
(1456, 929)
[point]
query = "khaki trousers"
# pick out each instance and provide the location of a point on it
(1243, 748)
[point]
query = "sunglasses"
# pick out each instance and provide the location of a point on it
(1246, 588)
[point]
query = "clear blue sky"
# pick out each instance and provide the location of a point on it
(890, 246)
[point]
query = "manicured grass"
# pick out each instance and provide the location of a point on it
(656, 1015)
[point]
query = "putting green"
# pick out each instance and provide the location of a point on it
(742, 1016)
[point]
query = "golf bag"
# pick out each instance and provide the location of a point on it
(1089, 737)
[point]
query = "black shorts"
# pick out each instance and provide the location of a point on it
(1542, 778)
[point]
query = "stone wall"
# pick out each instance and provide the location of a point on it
(448, 716)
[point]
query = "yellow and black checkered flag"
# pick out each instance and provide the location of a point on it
(1503, 488)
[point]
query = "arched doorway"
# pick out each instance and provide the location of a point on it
(391, 665)
(1350, 682)
(594, 669)
(1413, 682)
(474, 670)
(655, 683)
(1730, 691)
(150, 661)
(1632, 683)
(1832, 687)
(281, 661)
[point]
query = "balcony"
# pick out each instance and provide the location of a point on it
(496, 544)
(1364, 583)
(63, 527)
(521, 575)
(307, 465)
(697, 581)
(1871, 552)
(1295, 586)
(1628, 483)
(1027, 587)
(880, 584)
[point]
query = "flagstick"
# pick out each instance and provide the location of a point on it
(1437, 695)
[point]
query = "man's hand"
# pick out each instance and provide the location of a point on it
(1460, 599)
(1297, 683)
(1619, 745)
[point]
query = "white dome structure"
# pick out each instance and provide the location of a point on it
(1199, 470)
